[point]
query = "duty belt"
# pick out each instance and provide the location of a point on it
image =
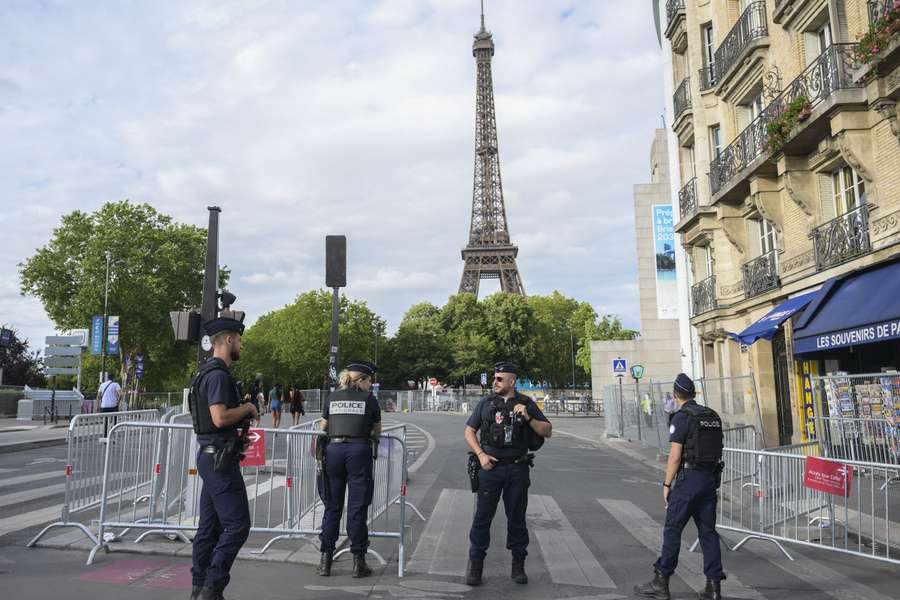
(524, 459)
(346, 439)
(209, 449)
(700, 467)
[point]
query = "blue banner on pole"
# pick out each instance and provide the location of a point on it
(97, 335)
(112, 336)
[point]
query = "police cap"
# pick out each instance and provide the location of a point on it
(361, 366)
(223, 324)
(684, 386)
(506, 367)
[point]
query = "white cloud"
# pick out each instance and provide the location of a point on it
(355, 117)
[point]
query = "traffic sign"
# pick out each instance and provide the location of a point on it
(61, 370)
(637, 371)
(62, 351)
(62, 361)
(255, 454)
(5, 337)
(63, 340)
(620, 367)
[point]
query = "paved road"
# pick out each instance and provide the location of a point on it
(594, 516)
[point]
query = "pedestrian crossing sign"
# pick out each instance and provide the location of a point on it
(620, 367)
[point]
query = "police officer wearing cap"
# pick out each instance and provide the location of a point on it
(510, 424)
(690, 491)
(217, 412)
(352, 419)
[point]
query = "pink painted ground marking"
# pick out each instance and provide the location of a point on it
(124, 572)
(173, 577)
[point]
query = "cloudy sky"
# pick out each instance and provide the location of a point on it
(304, 118)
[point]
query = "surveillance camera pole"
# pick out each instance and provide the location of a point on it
(209, 303)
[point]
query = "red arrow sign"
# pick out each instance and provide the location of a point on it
(255, 454)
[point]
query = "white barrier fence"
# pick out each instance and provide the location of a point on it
(86, 440)
(765, 496)
(284, 502)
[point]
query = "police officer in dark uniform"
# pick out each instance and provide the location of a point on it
(352, 419)
(217, 413)
(690, 491)
(510, 424)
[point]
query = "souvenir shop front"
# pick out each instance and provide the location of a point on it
(847, 347)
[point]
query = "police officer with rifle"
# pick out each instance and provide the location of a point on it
(219, 420)
(693, 476)
(351, 418)
(510, 425)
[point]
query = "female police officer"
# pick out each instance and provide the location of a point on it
(352, 419)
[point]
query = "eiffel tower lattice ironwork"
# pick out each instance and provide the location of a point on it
(489, 254)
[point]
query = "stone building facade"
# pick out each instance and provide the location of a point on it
(657, 349)
(788, 170)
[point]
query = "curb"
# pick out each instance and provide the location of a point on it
(31, 445)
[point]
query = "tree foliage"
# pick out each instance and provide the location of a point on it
(20, 365)
(607, 327)
(156, 267)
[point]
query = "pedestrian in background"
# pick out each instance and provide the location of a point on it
(275, 397)
(108, 396)
(296, 405)
(352, 419)
(690, 490)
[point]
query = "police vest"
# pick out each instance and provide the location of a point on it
(347, 414)
(501, 427)
(199, 407)
(704, 442)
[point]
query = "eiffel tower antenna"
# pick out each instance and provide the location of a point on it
(489, 254)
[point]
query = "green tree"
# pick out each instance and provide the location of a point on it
(20, 365)
(558, 328)
(420, 346)
(607, 327)
(509, 323)
(156, 267)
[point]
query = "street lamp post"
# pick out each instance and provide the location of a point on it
(572, 349)
(105, 317)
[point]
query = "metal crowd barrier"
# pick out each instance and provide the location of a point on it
(767, 500)
(87, 447)
(284, 502)
(863, 439)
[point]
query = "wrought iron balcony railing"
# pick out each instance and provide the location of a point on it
(830, 72)
(708, 78)
(682, 97)
(879, 9)
(761, 274)
(842, 239)
(687, 199)
(673, 7)
(703, 296)
(750, 25)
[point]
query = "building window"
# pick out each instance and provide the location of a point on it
(709, 45)
(708, 255)
(823, 37)
(767, 240)
(847, 189)
(715, 141)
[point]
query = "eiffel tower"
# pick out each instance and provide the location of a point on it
(489, 254)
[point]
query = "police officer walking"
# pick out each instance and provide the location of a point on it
(352, 419)
(510, 424)
(216, 408)
(690, 491)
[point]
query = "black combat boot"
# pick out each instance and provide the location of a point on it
(658, 589)
(518, 570)
(324, 568)
(713, 590)
(360, 568)
(474, 571)
(195, 592)
(208, 593)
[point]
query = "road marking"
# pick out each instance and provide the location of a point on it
(649, 533)
(30, 519)
(29, 478)
(443, 547)
(567, 557)
(25, 496)
(424, 456)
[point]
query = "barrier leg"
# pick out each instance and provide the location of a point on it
(765, 539)
(287, 536)
(369, 551)
(412, 506)
(87, 532)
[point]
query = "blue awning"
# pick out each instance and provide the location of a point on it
(766, 327)
(858, 308)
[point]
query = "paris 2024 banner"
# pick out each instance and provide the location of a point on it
(664, 247)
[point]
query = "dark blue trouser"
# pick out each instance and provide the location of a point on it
(224, 523)
(511, 482)
(347, 465)
(693, 497)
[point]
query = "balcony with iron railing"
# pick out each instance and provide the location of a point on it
(842, 239)
(830, 72)
(708, 78)
(703, 296)
(673, 7)
(682, 98)
(687, 200)
(880, 9)
(750, 26)
(761, 274)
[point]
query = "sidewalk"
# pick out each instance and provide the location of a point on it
(16, 435)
